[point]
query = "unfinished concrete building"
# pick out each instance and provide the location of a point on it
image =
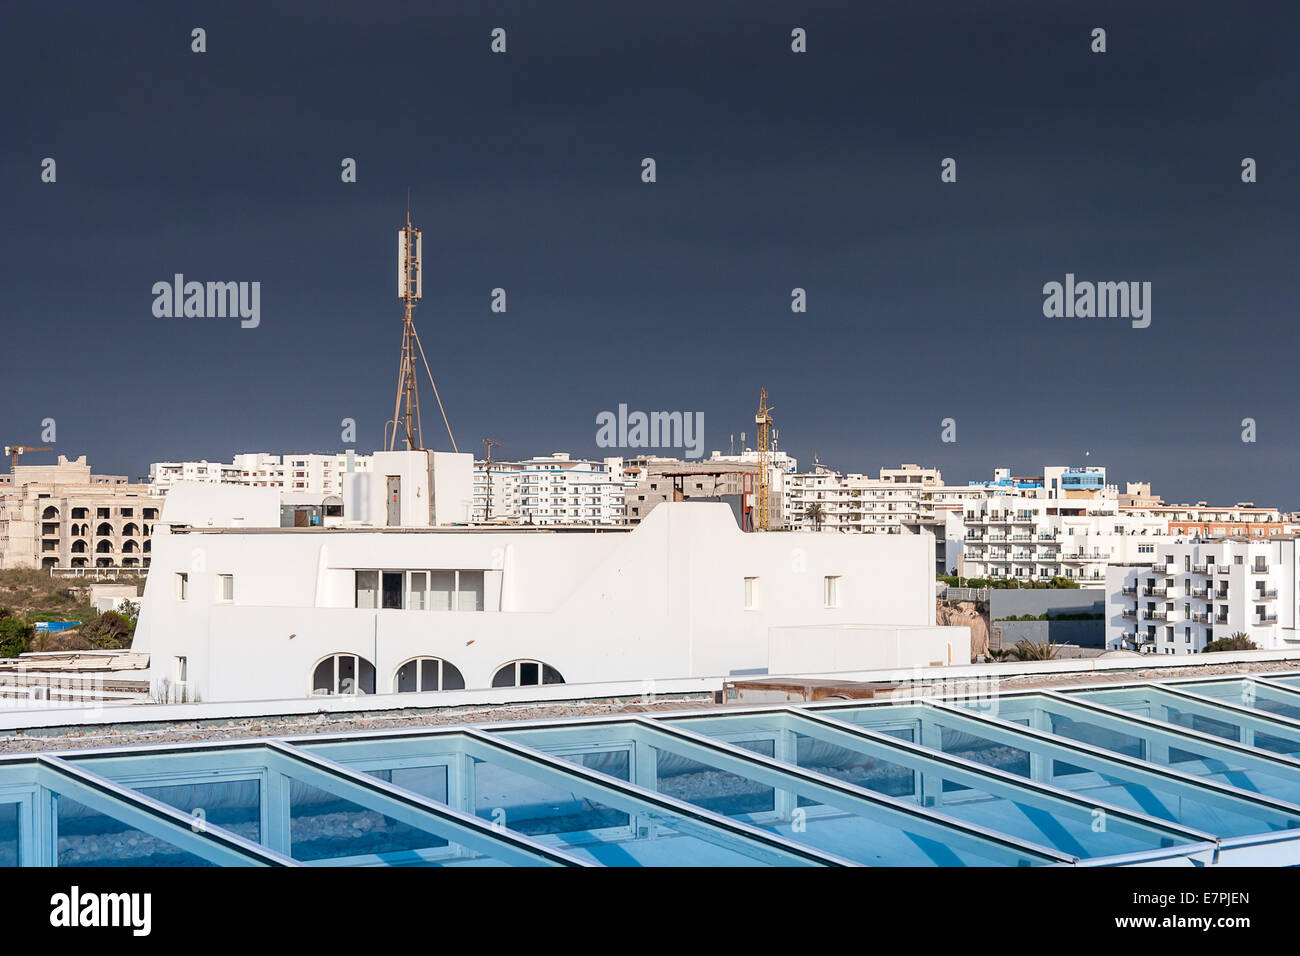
(63, 516)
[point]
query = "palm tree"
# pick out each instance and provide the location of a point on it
(816, 514)
(1028, 650)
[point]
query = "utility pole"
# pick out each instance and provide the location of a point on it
(489, 443)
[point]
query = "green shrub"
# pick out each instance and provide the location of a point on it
(1236, 642)
(15, 634)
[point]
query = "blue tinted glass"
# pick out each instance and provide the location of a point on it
(9, 819)
(323, 826)
(235, 805)
(90, 838)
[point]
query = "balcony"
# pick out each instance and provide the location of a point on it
(1200, 569)
(1263, 619)
(1130, 615)
(1157, 591)
(1157, 615)
(1267, 594)
(1259, 569)
(1200, 593)
(1200, 617)
(1128, 592)
(1220, 619)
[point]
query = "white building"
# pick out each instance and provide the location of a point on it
(899, 500)
(1037, 539)
(551, 490)
(397, 605)
(296, 474)
(1196, 591)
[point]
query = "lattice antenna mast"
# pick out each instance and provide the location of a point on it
(405, 425)
(489, 443)
(763, 490)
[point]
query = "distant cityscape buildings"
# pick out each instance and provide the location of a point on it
(1156, 561)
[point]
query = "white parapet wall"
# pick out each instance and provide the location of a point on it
(221, 506)
(859, 647)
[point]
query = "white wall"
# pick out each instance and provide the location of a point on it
(449, 474)
(817, 650)
(207, 505)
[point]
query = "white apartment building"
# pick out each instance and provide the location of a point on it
(860, 504)
(1037, 539)
(1199, 590)
(552, 489)
(1210, 521)
(296, 474)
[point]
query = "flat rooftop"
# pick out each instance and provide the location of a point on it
(1200, 770)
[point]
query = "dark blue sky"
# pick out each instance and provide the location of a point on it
(775, 170)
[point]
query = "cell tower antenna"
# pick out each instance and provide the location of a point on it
(405, 425)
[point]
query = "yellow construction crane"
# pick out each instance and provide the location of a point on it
(763, 486)
(13, 451)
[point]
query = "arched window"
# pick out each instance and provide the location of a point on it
(103, 562)
(78, 562)
(526, 674)
(130, 563)
(79, 547)
(49, 562)
(129, 530)
(427, 673)
(343, 674)
(131, 546)
(104, 547)
(50, 513)
(105, 530)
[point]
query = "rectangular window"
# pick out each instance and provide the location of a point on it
(419, 598)
(469, 591)
(831, 590)
(751, 594)
(182, 587)
(392, 589)
(367, 589)
(226, 588)
(442, 589)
